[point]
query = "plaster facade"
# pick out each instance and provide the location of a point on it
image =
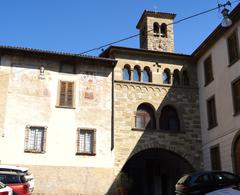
(29, 100)
(228, 124)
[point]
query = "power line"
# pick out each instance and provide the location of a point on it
(176, 22)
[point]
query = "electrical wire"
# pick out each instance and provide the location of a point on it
(176, 22)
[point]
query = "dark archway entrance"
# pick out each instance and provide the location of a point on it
(155, 171)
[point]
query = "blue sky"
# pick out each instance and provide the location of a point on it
(76, 25)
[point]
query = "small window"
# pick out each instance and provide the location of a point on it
(136, 73)
(166, 76)
(233, 48)
(144, 118)
(66, 90)
(163, 30)
(185, 78)
(236, 96)
(176, 78)
(208, 73)
(68, 68)
(146, 75)
(35, 139)
(215, 158)
(126, 73)
(169, 119)
(86, 142)
(211, 113)
(156, 28)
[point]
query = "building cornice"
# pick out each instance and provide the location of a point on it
(54, 55)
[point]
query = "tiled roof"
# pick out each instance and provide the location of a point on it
(46, 53)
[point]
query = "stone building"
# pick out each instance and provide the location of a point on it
(157, 133)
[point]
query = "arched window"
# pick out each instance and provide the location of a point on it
(176, 78)
(155, 28)
(145, 118)
(126, 73)
(147, 75)
(166, 76)
(169, 119)
(136, 73)
(185, 78)
(163, 30)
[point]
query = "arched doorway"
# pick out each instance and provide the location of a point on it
(155, 171)
(236, 155)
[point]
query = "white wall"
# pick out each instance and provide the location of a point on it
(228, 125)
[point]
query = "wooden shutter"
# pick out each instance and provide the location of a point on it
(66, 94)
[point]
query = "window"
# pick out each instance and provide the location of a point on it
(66, 94)
(126, 73)
(185, 78)
(163, 30)
(176, 78)
(86, 141)
(233, 48)
(68, 68)
(236, 96)
(35, 139)
(208, 73)
(215, 158)
(169, 119)
(136, 73)
(166, 76)
(145, 118)
(146, 75)
(156, 28)
(211, 112)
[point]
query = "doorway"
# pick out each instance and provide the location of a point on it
(155, 171)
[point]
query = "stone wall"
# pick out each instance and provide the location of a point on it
(128, 95)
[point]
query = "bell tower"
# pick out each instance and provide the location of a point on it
(156, 31)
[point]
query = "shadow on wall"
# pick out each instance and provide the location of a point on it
(165, 138)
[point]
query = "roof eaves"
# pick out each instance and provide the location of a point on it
(25, 50)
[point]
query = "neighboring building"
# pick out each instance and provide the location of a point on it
(157, 135)
(218, 66)
(56, 119)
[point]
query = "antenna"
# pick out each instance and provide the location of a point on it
(155, 7)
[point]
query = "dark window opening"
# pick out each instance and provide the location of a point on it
(236, 96)
(68, 68)
(169, 119)
(233, 48)
(163, 30)
(211, 113)
(215, 158)
(156, 28)
(176, 78)
(208, 72)
(185, 78)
